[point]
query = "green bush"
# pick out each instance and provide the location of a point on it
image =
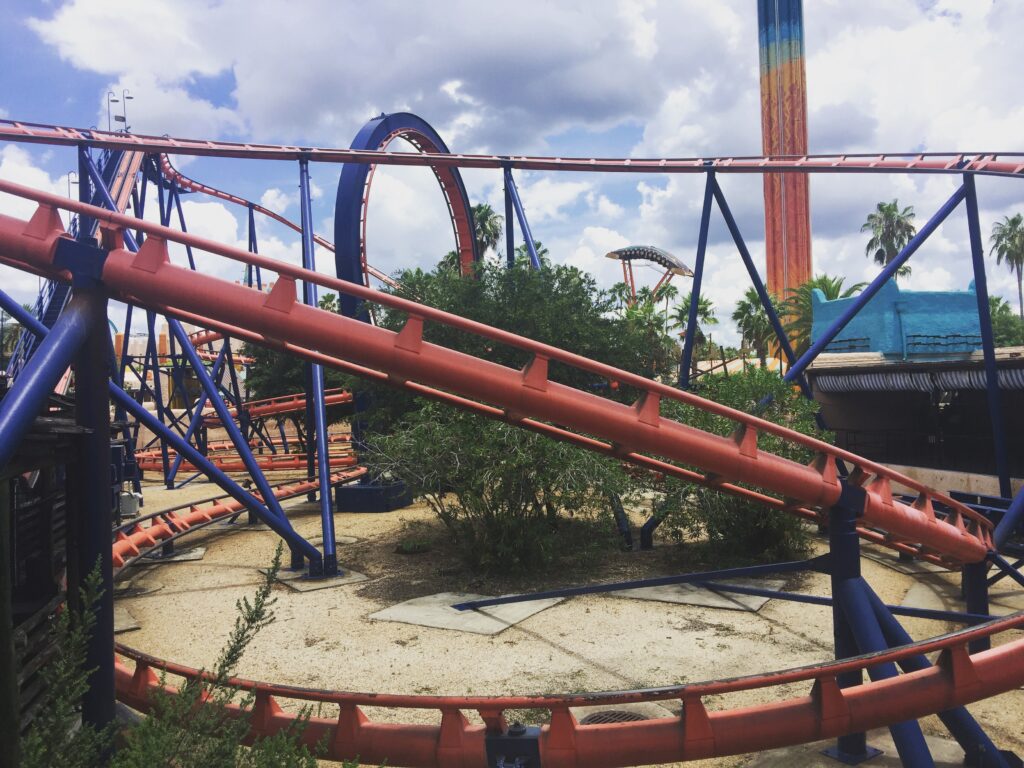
(733, 527)
(503, 493)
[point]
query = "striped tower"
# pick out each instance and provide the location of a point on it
(784, 132)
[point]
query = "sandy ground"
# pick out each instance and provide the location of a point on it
(324, 639)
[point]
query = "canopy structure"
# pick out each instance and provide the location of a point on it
(673, 265)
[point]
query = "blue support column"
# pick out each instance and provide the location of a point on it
(95, 509)
(907, 736)
(868, 293)
(979, 751)
(995, 410)
(524, 225)
(698, 274)
(974, 580)
(844, 566)
(1011, 520)
(510, 226)
(316, 373)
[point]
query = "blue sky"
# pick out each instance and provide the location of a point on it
(628, 78)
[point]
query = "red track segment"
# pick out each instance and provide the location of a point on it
(174, 175)
(986, 163)
(268, 462)
(148, 279)
(131, 545)
(826, 712)
(272, 406)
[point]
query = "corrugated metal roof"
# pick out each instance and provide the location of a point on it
(916, 381)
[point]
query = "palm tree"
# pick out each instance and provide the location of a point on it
(486, 227)
(522, 254)
(705, 316)
(1008, 245)
(891, 230)
(752, 320)
(798, 307)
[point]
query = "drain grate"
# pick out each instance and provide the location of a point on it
(612, 716)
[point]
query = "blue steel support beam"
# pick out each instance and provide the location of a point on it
(755, 278)
(22, 315)
(814, 564)
(316, 372)
(795, 597)
(152, 361)
(698, 275)
(995, 410)
(144, 417)
(868, 293)
(510, 226)
(197, 418)
(524, 225)
(226, 421)
(1007, 568)
(31, 390)
(861, 619)
(979, 750)
(280, 526)
(974, 580)
(95, 508)
(844, 554)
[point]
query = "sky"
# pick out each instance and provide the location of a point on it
(625, 78)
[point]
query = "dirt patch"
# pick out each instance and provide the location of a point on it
(325, 639)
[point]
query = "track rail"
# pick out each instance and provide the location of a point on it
(982, 163)
(177, 177)
(824, 712)
(273, 406)
(136, 539)
(638, 433)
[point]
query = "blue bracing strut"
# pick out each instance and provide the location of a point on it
(25, 400)
(987, 342)
(868, 293)
(316, 374)
(524, 225)
(979, 749)
(698, 274)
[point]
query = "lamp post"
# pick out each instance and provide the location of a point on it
(111, 98)
(125, 98)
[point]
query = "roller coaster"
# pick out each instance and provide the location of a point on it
(857, 499)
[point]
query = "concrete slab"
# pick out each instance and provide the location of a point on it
(125, 589)
(690, 594)
(298, 581)
(189, 555)
(942, 595)
(436, 611)
(124, 621)
(891, 559)
(946, 753)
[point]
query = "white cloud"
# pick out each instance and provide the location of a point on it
(276, 200)
(641, 30)
(546, 198)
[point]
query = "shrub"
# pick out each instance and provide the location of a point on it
(503, 493)
(733, 527)
(191, 728)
